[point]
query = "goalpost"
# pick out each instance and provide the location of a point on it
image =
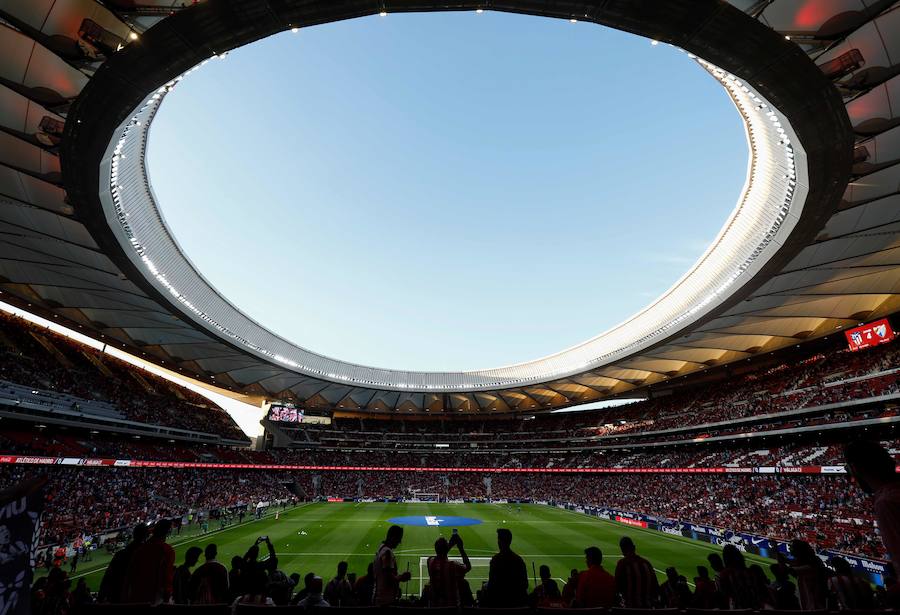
(476, 576)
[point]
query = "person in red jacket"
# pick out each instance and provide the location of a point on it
(596, 587)
(152, 569)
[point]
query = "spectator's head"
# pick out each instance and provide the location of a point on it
(315, 585)
(295, 579)
(192, 556)
(308, 579)
(672, 574)
(702, 572)
(441, 547)
(342, 570)
(841, 566)
(804, 553)
(593, 556)
(780, 572)
(870, 464)
(236, 563)
(759, 576)
(210, 552)
(627, 546)
(544, 571)
(715, 562)
(140, 533)
(161, 529)
(732, 557)
(573, 574)
(504, 538)
(394, 536)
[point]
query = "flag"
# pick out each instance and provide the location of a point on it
(21, 507)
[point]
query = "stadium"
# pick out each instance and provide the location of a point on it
(734, 431)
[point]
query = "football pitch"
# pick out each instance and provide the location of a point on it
(315, 537)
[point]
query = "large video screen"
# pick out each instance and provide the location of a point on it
(872, 334)
(285, 414)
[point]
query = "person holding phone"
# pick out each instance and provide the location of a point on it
(446, 576)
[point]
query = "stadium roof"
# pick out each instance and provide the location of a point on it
(803, 255)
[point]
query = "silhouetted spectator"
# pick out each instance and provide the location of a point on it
(314, 597)
(252, 562)
(507, 577)
(279, 588)
(596, 587)
(550, 598)
(875, 472)
(571, 586)
(55, 598)
(674, 591)
(850, 591)
(81, 596)
(538, 592)
(761, 586)
(235, 580)
(339, 592)
(718, 566)
(636, 580)
(182, 579)
(307, 585)
(811, 574)
(209, 583)
(783, 590)
(255, 592)
(112, 585)
(737, 582)
(150, 575)
(387, 577)
(365, 586)
(706, 593)
(445, 576)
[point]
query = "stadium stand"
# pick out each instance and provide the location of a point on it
(58, 376)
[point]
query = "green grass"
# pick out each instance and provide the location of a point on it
(352, 532)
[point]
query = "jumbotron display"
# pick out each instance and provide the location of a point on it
(872, 334)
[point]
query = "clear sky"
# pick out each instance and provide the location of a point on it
(446, 191)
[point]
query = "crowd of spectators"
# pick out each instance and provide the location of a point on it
(145, 572)
(92, 501)
(69, 443)
(822, 509)
(44, 360)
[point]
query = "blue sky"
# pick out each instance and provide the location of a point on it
(446, 191)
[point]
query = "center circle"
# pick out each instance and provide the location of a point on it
(434, 521)
(498, 187)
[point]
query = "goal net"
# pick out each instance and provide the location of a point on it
(476, 576)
